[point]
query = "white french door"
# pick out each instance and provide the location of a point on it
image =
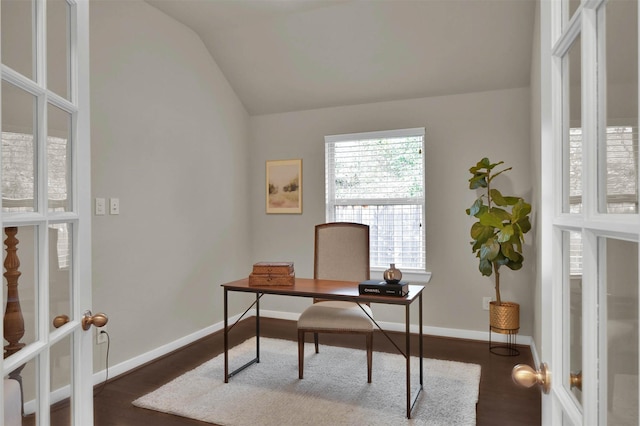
(45, 211)
(590, 226)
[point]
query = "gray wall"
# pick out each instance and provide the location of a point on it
(460, 130)
(170, 140)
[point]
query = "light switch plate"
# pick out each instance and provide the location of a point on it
(100, 206)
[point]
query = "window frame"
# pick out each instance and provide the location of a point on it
(416, 274)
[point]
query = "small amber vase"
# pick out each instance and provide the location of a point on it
(392, 275)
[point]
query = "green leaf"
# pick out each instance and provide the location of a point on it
(501, 214)
(524, 225)
(490, 219)
(479, 180)
(481, 165)
(475, 207)
(508, 251)
(520, 210)
(490, 249)
(500, 260)
(517, 240)
(485, 267)
(481, 233)
(515, 264)
(483, 210)
(512, 200)
(505, 234)
(497, 198)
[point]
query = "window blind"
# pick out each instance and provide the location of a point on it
(378, 179)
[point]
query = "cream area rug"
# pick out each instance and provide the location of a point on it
(334, 390)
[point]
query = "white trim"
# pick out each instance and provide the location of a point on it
(160, 351)
(400, 133)
(412, 276)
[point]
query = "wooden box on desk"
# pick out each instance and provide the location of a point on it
(273, 268)
(271, 279)
(272, 273)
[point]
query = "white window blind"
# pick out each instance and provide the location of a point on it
(377, 179)
(621, 187)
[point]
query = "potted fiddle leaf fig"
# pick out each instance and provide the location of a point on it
(497, 236)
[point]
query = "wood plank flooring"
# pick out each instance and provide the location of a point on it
(501, 402)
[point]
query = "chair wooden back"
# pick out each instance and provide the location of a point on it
(341, 251)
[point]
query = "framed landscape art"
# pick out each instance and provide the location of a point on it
(284, 186)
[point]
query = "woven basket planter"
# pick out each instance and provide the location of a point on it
(504, 318)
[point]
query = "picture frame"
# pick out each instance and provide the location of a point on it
(283, 191)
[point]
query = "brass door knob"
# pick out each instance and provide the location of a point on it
(576, 381)
(98, 320)
(526, 376)
(60, 320)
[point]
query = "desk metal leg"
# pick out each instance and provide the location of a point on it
(408, 359)
(420, 343)
(227, 374)
(258, 296)
(226, 339)
(411, 402)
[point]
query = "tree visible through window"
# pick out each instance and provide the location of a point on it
(378, 179)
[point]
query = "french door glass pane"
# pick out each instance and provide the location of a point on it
(21, 278)
(61, 374)
(59, 159)
(12, 401)
(622, 331)
(618, 143)
(60, 253)
(572, 161)
(573, 303)
(28, 376)
(17, 39)
(58, 47)
(18, 149)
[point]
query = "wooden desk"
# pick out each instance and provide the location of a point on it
(330, 290)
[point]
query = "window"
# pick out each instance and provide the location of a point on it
(620, 186)
(18, 186)
(377, 179)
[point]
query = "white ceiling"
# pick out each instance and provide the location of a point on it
(289, 55)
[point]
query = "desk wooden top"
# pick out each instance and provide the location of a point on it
(325, 289)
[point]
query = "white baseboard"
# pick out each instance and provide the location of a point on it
(144, 358)
(139, 360)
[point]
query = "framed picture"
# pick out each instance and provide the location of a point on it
(284, 186)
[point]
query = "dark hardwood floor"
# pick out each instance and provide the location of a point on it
(501, 401)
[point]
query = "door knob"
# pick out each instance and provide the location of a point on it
(60, 320)
(526, 376)
(98, 320)
(575, 380)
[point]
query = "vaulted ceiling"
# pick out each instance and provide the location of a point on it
(289, 55)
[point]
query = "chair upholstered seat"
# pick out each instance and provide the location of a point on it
(336, 315)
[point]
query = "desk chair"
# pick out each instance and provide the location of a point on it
(341, 253)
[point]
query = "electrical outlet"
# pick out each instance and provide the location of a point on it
(101, 336)
(114, 206)
(485, 303)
